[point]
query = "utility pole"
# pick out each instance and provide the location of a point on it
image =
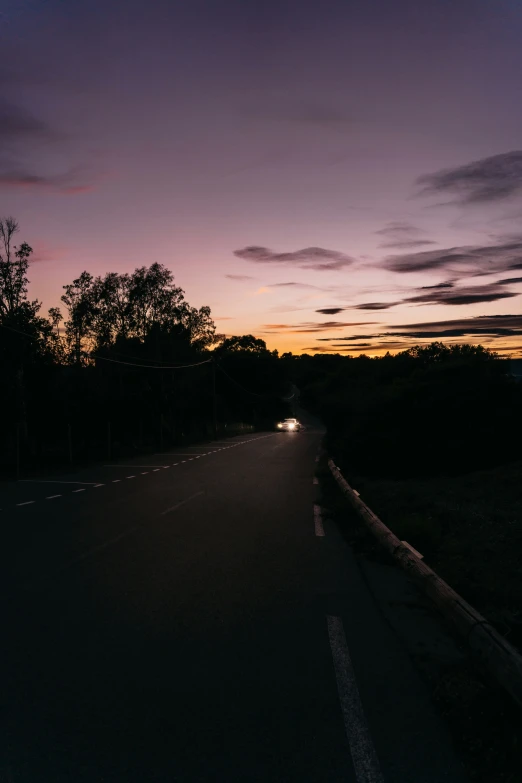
(214, 398)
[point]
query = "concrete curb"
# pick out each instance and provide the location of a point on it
(500, 658)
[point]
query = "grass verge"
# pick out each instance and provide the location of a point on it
(470, 531)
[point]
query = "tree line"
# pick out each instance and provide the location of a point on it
(129, 360)
(130, 365)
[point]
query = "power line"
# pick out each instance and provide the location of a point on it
(254, 394)
(148, 366)
(116, 361)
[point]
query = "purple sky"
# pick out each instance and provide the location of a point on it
(282, 157)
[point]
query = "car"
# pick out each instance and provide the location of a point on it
(289, 425)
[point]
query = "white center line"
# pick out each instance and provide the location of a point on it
(181, 503)
(51, 481)
(144, 472)
(78, 490)
(52, 497)
(130, 476)
(98, 485)
(364, 757)
(156, 470)
(27, 503)
(134, 466)
(318, 521)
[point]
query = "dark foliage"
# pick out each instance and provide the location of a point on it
(426, 411)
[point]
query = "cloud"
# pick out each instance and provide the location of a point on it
(22, 139)
(486, 326)
(316, 258)
(449, 284)
(493, 325)
(16, 122)
(296, 285)
(69, 184)
(466, 259)
(44, 251)
(240, 278)
(409, 243)
(401, 234)
(311, 326)
(485, 180)
(462, 296)
(330, 310)
(509, 281)
(375, 306)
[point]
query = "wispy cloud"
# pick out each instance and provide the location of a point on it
(22, 138)
(495, 327)
(509, 281)
(375, 306)
(315, 258)
(330, 310)
(240, 278)
(464, 259)
(461, 296)
(485, 180)
(403, 235)
(311, 326)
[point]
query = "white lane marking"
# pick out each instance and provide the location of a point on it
(78, 490)
(183, 461)
(318, 521)
(52, 497)
(116, 481)
(98, 548)
(177, 454)
(27, 503)
(364, 757)
(98, 485)
(50, 481)
(181, 503)
(130, 476)
(156, 470)
(175, 465)
(144, 472)
(134, 466)
(316, 480)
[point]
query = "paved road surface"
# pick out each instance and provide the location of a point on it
(191, 617)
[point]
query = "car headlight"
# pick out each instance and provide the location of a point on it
(291, 426)
(280, 426)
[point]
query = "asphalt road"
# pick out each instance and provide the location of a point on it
(191, 616)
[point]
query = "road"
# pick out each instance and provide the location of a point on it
(191, 616)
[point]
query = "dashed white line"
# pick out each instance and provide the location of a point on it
(116, 481)
(78, 490)
(130, 477)
(318, 521)
(156, 470)
(51, 481)
(181, 503)
(52, 497)
(27, 503)
(364, 757)
(98, 485)
(144, 472)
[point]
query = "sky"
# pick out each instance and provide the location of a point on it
(329, 176)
